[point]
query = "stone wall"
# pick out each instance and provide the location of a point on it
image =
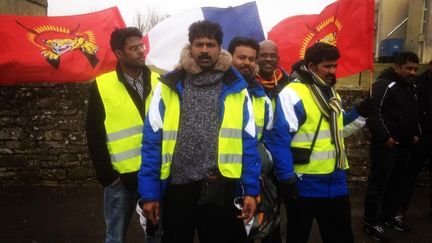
(24, 7)
(357, 145)
(42, 136)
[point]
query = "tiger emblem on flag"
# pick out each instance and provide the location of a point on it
(326, 31)
(54, 41)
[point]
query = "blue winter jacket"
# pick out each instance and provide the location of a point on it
(279, 144)
(150, 186)
(256, 90)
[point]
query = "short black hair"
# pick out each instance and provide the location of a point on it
(205, 28)
(119, 36)
(243, 41)
(406, 56)
(320, 52)
(295, 67)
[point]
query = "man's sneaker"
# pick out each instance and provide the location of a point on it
(377, 231)
(398, 223)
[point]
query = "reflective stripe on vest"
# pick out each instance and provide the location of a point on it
(258, 104)
(230, 155)
(323, 157)
(171, 121)
(230, 147)
(306, 137)
(124, 132)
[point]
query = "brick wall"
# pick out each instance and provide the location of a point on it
(42, 136)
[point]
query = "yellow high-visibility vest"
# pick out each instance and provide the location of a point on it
(123, 123)
(258, 106)
(230, 140)
(323, 157)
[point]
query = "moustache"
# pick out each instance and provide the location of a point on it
(331, 77)
(246, 66)
(204, 56)
(411, 78)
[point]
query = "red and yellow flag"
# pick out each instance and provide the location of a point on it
(347, 24)
(57, 49)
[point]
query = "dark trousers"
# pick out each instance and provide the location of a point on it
(332, 214)
(387, 179)
(430, 180)
(421, 152)
(273, 237)
(183, 215)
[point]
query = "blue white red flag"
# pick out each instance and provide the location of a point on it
(165, 41)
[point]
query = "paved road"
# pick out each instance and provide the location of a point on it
(67, 215)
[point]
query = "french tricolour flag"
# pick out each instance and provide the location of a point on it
(165, 41)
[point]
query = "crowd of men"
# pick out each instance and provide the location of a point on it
(190, 149)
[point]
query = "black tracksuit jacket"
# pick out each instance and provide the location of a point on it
(424, 92)
(395, 112)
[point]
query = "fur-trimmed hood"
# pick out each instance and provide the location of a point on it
(188, 64)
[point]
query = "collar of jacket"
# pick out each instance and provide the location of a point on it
(188, 64)
(390, 75)
(146, 75)
(232, 79)
(285, 79)
(254, 87)
(305, 77)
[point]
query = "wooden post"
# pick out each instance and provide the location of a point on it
(360, 78)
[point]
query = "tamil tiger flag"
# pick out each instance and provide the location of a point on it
(57, 49)
(347, 24)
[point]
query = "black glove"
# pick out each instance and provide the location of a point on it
(151, 228)
(365, 107)
(288, 189)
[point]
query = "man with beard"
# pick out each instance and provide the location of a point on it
(200, 156)
(116, 111)
(271, 76)
(244, 53)
(394, 127)
(308, 149)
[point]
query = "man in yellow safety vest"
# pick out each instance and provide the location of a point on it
(116, 111)
(307, 146)
(200, 144)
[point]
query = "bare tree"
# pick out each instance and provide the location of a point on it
(146, 21)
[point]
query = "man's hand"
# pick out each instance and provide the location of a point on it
(415, 139)
(365, 107)
(390, 143)
(151, 211)
(288, 189)
(249, 208)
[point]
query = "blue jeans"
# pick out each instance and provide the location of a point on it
(119, 205)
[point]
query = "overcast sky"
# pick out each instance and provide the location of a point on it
(271, 11)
